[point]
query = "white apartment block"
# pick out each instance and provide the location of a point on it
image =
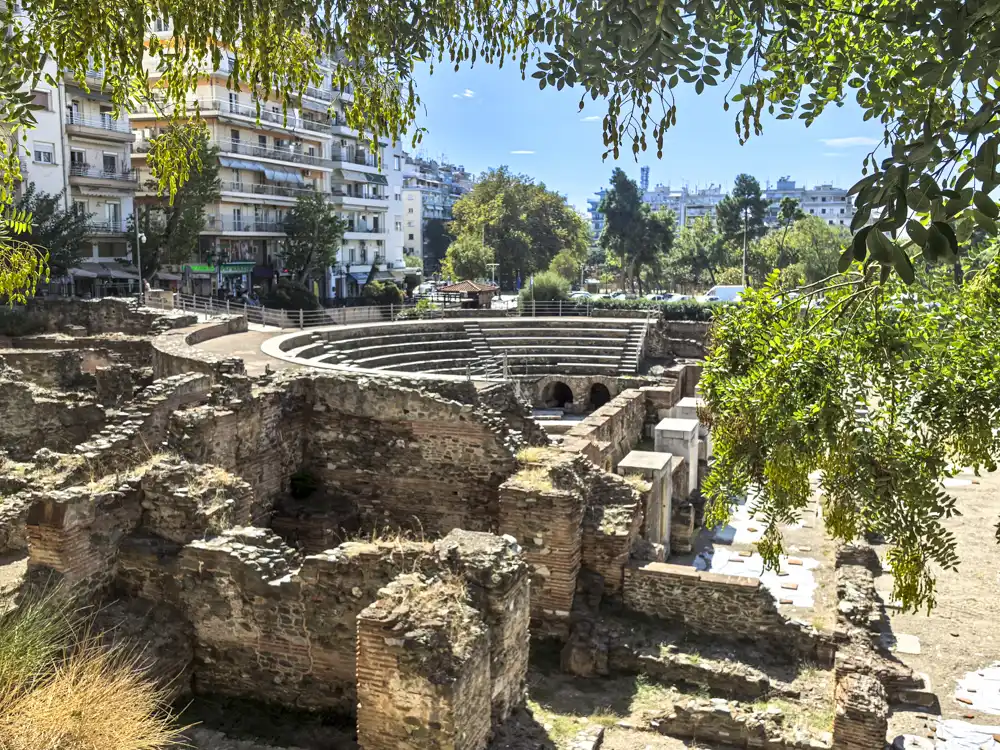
(832, 204)
(81, 151)
(430, 191)
(686, 204)
(267, 159)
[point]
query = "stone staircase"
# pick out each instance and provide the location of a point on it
(474, 332)
(632, 352)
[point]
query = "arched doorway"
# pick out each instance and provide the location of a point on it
(599, 395)
(557, 395)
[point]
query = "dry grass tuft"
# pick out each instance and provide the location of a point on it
(61, 690)
(536, 454)
(534, 477)
(638, 483)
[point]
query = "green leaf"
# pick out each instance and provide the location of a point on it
(986, 204)
(879, 246)
(846, 258)
(916, 232)
(901, 262)
(858, 244)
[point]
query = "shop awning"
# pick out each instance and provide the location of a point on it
(228, 161)
(350, 174)
(98, 193)
(164, 276)
(281, 175)
(361, 278)
(109, 271)
(80, 273)
(377, 179)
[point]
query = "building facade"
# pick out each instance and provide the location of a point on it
(430, 191)
(831, 204)
(268, 158)
(82, 152)
(596, 217)
(686, 204)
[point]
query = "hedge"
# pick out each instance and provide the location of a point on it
(688, 309)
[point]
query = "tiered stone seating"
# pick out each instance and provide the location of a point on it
(531, 346)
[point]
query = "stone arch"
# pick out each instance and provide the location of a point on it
(599, 395)
(557, 395)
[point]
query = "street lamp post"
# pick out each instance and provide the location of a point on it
(139, 239)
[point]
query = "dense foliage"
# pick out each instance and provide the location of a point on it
(884, 389)
(689, 309)
(315, 233)
(60, 231)
(740, 214)
(520, 223)
(289, 295)
(547, 286)
(172, 223)
(382, 293)
(467, 258)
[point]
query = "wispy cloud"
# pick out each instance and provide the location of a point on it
(467, 94)
(522, 151)
(834, 154)
(591, 118)
(854, 140)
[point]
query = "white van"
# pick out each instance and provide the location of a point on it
(723, 294)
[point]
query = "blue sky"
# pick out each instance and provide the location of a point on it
(485, 117)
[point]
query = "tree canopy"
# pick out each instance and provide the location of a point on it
(467, 258)
(924, 69)
(59, 231)
(172, 223)
(522, 225)
(743, 210)
(315, 233)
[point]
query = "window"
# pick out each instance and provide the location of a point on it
(398, 196)
(351, 254)
(45, 153)
(41, 98)
(398, 226)
(830, 222)
(234, 101)
(411, 224)
(113, 215)
(823, 199)
(364, 254)
(411, 235)
(80, 207)
(160, 25)
(312, 151)
(409, 210)
(237, 219)
(78, 158)
(396, 165)
(262, 141)
(110, 163)
(841, 210)
(822, 210)
(234, 135)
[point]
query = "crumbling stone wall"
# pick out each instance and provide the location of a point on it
(673, 339)
(534, 388)
(423, 669)
(174, 352)
(64, 369)
(611, 528)
(32, 417)
(106, 315)
(118, 347)
(713, 604)
(861, 717)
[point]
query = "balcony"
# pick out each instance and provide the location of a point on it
(84, 174)
(95, 227)
(283, 154)
(364, 232)
(275, 191)
(103, 127)
(348, 156)
(216, 225)
(342, 197)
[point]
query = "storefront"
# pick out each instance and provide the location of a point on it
(96, 280)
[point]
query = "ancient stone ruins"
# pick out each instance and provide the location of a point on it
(403, 551)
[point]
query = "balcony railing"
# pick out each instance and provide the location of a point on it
(364, 228)
(278, 190)
(341, 193)
(224, 107)
(215, 223)
(282, 154)
(106, 227)
(355, 157)
(102, 122)
(85, 170)
(316, 93)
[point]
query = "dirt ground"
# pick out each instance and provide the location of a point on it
(962, 633)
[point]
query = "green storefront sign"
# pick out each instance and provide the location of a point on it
(236, 269)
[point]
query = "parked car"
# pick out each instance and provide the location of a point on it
(722, 294)
(623, 295)
(660, 297)
(581, 295)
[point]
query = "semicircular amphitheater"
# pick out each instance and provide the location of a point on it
(480, 348)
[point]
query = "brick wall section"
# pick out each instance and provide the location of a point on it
(861, 717)
(548, 523)
(612, 527)
(611, 432)
(423, 670)
(713, 604)
(131, 350)
(73, 535)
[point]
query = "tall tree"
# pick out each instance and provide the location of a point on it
(741, 215)
(314, 235)
(805, 252)
(467, 258)
(698, 254)
(172, 223)
(650, 260)
(58, 232)
(624, 221)
(524, 224)
(436, 241)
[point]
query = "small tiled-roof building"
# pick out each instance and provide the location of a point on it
(474, 293)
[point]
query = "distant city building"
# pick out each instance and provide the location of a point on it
(832, 204)
(430, 190)
(644, 179)
(686, 204)
(596, 217)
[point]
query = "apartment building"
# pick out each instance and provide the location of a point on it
(596, 217)
(430, 191)
(686, 204)
(81, 151)
(832, 204)
(267, 160)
